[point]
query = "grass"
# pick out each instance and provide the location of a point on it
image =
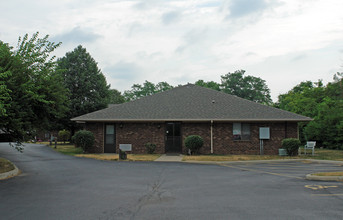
(5, 165)
(324, 154)
(320, 154)
(130, 157)
(232, 157)
(67, 149)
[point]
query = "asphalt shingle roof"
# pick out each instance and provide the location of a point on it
(191, 103)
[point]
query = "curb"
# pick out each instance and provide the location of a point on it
(324, 178)
(11, 173)
(264, 161)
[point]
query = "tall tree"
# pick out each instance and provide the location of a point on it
(247, 87)
(322, 103)
(210, 84)
(5, 72)
(88, 89)
(35, 97)
(116, 97)
(148, 88)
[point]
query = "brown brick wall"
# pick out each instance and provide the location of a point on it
(223, 142)
(98, 130)
(138, 134)
(201, 129)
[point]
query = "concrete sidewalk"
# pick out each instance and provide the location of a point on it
(170, 158)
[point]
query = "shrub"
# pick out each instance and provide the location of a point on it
(291, 145)
(194, 143)
(64, 135)
(150, 148)
(84, 139)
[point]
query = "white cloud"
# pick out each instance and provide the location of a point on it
(182, 41)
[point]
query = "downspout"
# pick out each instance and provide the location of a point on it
(211, 136)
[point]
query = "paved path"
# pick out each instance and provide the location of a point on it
(170, 158)
(56, 186)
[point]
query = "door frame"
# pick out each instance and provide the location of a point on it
(114, 148)
(177, 140)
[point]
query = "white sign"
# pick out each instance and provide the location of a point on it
(125, 147)
(264, 133)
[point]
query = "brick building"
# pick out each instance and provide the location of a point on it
(228, 124)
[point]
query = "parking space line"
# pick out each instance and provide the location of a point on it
(262, 171)
(326, 194)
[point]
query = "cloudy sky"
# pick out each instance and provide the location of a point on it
(281, 41)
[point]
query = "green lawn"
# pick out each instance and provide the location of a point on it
(68, 149)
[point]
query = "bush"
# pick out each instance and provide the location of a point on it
(64, 135)
(150, 148)
(194, 143)
(291, 145)
(84, 139)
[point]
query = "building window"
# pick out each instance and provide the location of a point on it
(241, 131)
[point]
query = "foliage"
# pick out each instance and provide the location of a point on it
(150, 148)
(194, 143)
(148, 88)
(5, 60)
(84, 139)
(247, 87)
(34, 97)
(64, 135)
(115, 97)
(210, 84)
(88, 89)
(322, 103)
(291, 145)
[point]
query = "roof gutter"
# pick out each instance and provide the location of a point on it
(78, 120)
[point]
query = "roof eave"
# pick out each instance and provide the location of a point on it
(192, 120)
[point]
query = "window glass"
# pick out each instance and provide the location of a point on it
(245, 131)
(109, 129)
(241, 131)
(236, 129)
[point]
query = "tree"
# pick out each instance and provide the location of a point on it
(247, 87)
(148, 88)
(34, 97)
(210, 84)
(322, 103)
(5, 60)
(116, 97)
(88, 89)
(84, 139)
(64, 135)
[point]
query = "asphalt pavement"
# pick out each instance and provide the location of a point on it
(57, 186)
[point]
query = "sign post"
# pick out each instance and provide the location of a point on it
(264, 135)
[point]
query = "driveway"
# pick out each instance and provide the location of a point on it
(56, 186)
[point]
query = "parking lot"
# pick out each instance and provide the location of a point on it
(56, 186)
(297, 170)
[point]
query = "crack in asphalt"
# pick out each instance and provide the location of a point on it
(154, 195)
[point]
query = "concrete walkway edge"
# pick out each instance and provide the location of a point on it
(169, 158)
(324, 178)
